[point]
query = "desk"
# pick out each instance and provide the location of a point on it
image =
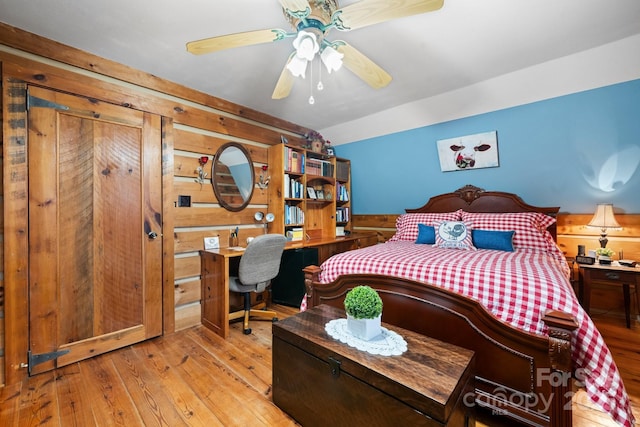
(215, 288)
(615, 275)
(215, 270)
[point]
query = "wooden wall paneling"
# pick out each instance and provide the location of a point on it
(168, 296)
(190, 140)
(187, 266)
(187, 316)
(383, 224)
(206, 216)
(572, 231)
(187, 291)
(191, 144)
(225, 125)
(1, 246)
(15, 226)
(202, 117)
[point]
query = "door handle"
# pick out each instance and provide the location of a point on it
(152, 235)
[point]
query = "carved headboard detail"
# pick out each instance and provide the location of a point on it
(474, 199)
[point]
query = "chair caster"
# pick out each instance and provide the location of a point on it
(247, 331)
(274, 320)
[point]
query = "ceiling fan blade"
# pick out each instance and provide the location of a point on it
(229, 41)
(370, 12)
(296, 7)
(362, 66)
(285, 82)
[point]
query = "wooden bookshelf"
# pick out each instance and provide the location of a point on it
(309, 191)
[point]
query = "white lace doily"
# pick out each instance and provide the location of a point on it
(388, 343)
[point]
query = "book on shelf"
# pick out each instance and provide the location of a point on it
(342, 214)
(294, 160)
(293, 215)
(342, 170)
(287, 185)
(295, 234)
(292, 187)
(319, 167)
(342, 192)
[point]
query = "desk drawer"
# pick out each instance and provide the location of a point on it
(612, 275)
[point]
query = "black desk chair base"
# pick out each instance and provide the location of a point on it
(257, 311)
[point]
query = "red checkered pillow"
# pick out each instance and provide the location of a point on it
(407, 224)
(453, 235)
(530, 227)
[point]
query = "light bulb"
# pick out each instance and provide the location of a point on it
(320, 86)
(312, 100)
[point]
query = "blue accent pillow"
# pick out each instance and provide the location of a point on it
(426, 234)
(493, 239)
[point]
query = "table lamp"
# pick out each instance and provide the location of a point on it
(604, 219)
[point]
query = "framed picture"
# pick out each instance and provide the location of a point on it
(311, 193)
(468, 152)
(320, 194)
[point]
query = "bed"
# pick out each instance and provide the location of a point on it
(482, 270)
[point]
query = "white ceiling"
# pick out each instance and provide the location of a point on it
(465, 42)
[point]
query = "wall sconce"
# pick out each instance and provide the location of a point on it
(604, 219)
(265, 219)
(200, 170)
(263, 180)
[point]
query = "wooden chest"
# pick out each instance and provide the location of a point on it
(321, 381)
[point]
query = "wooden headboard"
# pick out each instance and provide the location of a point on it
(473, 199)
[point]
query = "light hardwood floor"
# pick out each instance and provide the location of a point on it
(195, 378)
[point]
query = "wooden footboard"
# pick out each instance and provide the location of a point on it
(519, 375)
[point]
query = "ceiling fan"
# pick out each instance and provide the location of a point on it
(312, 20)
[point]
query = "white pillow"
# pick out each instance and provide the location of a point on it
(453, 235)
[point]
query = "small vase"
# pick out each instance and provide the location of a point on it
(365, 329)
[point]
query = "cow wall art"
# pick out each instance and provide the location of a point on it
(468, 152)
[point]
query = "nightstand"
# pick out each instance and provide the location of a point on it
(614, 275)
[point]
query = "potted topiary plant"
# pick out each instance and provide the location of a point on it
(604, 255)
(364, 311)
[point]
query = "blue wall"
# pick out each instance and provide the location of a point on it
(572, 151)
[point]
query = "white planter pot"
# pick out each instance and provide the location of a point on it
(365, 329)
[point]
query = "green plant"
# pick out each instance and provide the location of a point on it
(605, 252)
(363, 302)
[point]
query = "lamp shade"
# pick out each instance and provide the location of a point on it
(604, 217)
(604, 220)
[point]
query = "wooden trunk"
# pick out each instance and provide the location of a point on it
(321, 381)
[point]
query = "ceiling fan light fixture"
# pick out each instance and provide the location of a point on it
(331, 58)
(297, 66)
(306, 45)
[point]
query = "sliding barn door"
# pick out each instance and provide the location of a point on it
(95, 238)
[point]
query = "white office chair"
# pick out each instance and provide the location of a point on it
(259, 263)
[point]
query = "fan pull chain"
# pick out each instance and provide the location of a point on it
(320, 85)
(312, 100)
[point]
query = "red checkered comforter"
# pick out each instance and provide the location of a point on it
(517, 287)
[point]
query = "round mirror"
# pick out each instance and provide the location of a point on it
(232, 176)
